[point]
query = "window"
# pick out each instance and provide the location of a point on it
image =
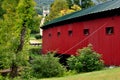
(86, 31)
(70, 33)
(109, 30)
(58, 34)
(49, 35)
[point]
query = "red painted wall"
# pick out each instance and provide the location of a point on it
(107, 45)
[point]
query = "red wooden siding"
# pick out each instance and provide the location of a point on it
(106, 44)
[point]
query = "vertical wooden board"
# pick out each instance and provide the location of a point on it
(107, 45)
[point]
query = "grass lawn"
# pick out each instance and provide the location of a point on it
(109, 74)
(32, 36)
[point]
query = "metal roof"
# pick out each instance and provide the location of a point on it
(108, 6)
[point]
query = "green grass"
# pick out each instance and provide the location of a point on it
(32, 36)
(108, 74)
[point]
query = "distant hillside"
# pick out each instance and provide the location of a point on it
(41, 3)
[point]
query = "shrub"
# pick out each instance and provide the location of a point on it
(4, 77)
(47, 66)
(74, 63)
(1, 77)
(26, 73)
(5, 60)
(38, 36)
(86, 61)
(34, 50)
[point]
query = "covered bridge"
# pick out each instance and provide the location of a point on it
(98, 25)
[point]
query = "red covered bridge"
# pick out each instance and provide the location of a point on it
(98, 25)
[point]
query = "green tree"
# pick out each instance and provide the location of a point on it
(34, 28)
(84, 3)
(76, 7)
(7, 25)
(77, 2)
(14, 30)
(70, 3)
(25, 13)
(87, 3)
(56, 7)
(71, 10)
(1, 9)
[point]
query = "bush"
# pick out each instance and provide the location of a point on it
(74, 63)
(38, 36)
(26, 73)
(47, 66)
(34, 50)
(86, 61)
(5, 60)
(4, 77)
(1, 77)
(35, 31)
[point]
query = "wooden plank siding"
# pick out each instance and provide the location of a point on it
(106, 44)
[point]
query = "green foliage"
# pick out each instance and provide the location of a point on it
(1, 78)
(38, 36)
(68, 7)
(74, 63)
(8, 44)
(4, 78)
(5, 60)
(1, 9)
(36, 23)
(26, 74)
(34, 50)
(69, 3)
(75, 7)
(86, 61)
(18, 18)
(27, 13)
(70, 72)
(87, 3)
(77, 2)
(47, 66)
(56, 7)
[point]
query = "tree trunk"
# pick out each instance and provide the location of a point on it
(14, 70)
(14, 67)
(22, 40)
